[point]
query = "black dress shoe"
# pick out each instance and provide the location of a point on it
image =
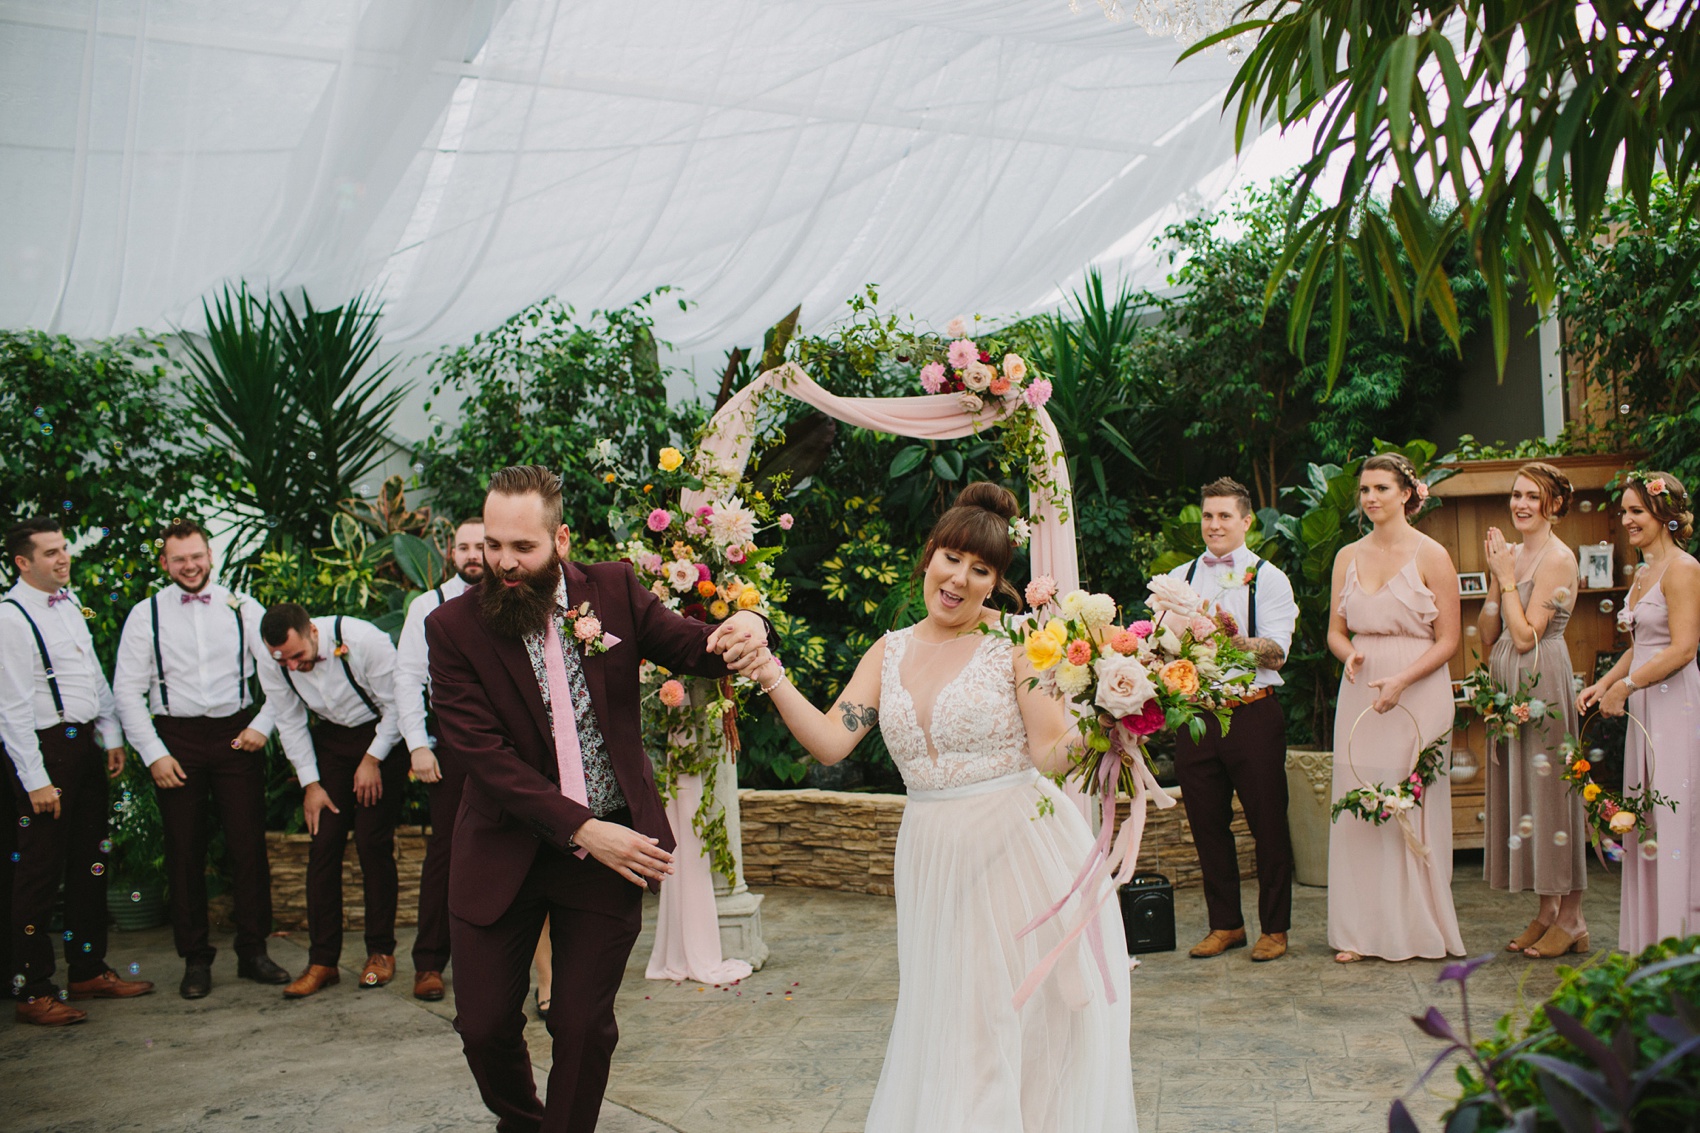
(261, 969)
(197, 981)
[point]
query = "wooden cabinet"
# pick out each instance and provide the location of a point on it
(1476, 499)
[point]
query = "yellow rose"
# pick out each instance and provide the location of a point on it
(749, 598)
(1591, 791)
(719, 609)
(1058, 629)
(1044, 650)
(671, 458)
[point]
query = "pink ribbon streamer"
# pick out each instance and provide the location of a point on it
(1109, 865)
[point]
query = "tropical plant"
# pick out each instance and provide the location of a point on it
(95, 439)
(137, 857)
(544, 388)
(292, 399)
(1478, 114)
(1613, 1047)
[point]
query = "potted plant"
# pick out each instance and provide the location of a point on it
(135, 885)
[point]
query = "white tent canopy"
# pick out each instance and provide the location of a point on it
(467, 157)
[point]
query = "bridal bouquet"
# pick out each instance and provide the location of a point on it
(1138, 679)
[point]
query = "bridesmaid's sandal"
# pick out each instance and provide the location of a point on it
(1347, 957)
(1537, 929)
(1556, 943)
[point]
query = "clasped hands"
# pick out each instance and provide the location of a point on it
(741, 641)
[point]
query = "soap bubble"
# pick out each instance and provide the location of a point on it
(18, 980)
(88, 947)
(1607, 605)
(106, 846)
(69, 934)
(1470, 631)
(47, 430)
(418, 467)
(70, 733)
(67, 505)
(1624, 409)
(24, 821)
(1673, 525)
(97, 869)
(135, 895)
(363, 489)
(1587, 506)
(312, 456)
(1542, 763)
(1560, 838)
(40, 412)
(1613, 851)
(1526, 825)
(29, 930)
(134, 968)
(272, 521)
(17, 857)
(1514, 843)
(1649, 849)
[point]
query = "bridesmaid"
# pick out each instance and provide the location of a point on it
(1394, 626)
(1537, 592)
(1657, 683)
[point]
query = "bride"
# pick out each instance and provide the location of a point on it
(978, 858)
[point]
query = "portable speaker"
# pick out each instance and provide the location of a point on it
(1148, 913)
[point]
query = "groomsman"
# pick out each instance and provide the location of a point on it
(432, 763)
(61, 733)
(182, 686)
(1250, 760)
(342, 670)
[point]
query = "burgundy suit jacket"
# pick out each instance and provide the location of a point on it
(494, 727)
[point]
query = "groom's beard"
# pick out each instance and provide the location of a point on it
(515, 611)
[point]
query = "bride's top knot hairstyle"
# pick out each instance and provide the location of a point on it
(1404, 474)
(978, 524)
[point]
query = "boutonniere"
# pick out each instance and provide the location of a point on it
(588, 632)
(340, 651)
(234, 602)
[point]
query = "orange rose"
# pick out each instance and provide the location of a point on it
(1180, 676)
(1582, 767)
(706, 589)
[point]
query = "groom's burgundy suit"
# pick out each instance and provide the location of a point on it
(511, 865)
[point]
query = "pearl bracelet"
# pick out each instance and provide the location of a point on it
(767, 690)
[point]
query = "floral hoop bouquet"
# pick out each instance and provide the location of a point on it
(1611, 814)
(1504, 711)
(1379, 803)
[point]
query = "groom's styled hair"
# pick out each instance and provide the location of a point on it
(978, 524)
(528, 480)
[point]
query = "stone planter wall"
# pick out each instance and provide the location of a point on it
(288, 853)
(846, 840)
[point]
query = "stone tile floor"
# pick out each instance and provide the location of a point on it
(1302, 1044)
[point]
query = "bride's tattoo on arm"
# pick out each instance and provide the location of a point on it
(857, 717)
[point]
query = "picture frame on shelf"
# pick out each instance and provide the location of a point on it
(1472, 583)
(1459, 696)
(1594, 561)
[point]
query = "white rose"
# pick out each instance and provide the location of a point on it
(977, 376)
(1098, 610)
(1172, 596)
(1168, 642)
(1073, 679)
(1124, 686)
(1070, 604)
(682, 576)
(970, 402)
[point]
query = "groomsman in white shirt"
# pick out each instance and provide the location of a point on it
(1250, 760)
(182, 683)
(342, 670)
(431, 764)
(61, 734)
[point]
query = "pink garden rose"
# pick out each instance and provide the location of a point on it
(962, 352)
(970, 402)
(587, 628)
(1520, 712)
(660, 519)
(1038, 393)
(786, 521)
(1148, 720)
(1656, 486)
(1202, 628)
(1014, 368)
(735, 553)
(672, 694)
(1041, 590)
(957, 327)
(977, 376)
(932, 377)
(705, 511)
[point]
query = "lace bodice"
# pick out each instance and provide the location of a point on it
(973, 723)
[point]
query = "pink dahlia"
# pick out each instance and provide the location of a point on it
(1079, 652)
(932, 377)
(1141, 629)
(703, 573)
(1041, 590)
(672, 694)
(786, 521)
(962, 352)
(1038, 393)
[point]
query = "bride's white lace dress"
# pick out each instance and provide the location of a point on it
(975, 863)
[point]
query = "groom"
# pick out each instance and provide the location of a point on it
(560, 816)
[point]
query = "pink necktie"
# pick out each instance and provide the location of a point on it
(569, 757)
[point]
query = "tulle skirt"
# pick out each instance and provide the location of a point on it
(974, 865)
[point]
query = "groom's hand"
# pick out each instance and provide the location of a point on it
(637, 858)
(739, 638)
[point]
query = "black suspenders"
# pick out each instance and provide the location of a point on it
(347, 671)
(1250, 596)
(46, 661)
(241, 657)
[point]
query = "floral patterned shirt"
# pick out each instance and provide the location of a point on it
(601, 788)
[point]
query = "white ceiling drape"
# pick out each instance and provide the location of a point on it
(467, 157)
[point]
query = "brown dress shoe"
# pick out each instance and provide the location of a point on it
(1218, 942)
(47, 1011)
(379, 970)
(428, 986)
(107, 985)
(316, 978)
(1269, 946)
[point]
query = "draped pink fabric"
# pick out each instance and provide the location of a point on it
(687, 929)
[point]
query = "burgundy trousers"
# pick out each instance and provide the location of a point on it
(1249, 761)
(52, 849)
(431, 944)
(594, 917)
(339, 751)
(232, 782)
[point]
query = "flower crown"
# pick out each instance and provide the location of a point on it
(1020, 531)
(1654, 484)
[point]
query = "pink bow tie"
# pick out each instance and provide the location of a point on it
(54, 599)
(1213, 561)
(201, 598)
